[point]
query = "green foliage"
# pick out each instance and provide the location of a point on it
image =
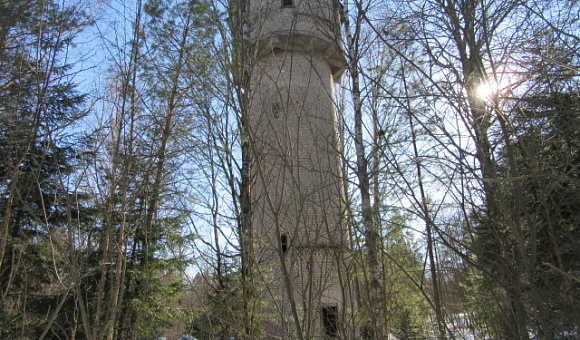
(37, 105)
(220, 313)
(142, 223)
(406, 325)
(544, 153)
(482, 300)
(550, 125)
(407, 309)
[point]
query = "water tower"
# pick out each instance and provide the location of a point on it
(297, 190)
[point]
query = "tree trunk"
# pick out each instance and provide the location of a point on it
(370, 228)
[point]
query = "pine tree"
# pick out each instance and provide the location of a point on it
(37, 106)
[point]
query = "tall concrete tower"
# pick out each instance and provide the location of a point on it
(297, 182)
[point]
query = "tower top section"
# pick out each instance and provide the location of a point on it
(311, 26)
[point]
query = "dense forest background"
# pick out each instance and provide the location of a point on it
(122, 210)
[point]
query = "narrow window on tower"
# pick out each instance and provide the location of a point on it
(287, 3)
(330, 321)
(284, 243)
(275, 110)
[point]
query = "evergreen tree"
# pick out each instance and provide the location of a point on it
(38, 104)
(537, 196)
(545, 155)
(159, 97)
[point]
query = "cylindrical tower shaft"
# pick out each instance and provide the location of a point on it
(297, 191)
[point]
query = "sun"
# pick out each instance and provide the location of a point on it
(487, 90)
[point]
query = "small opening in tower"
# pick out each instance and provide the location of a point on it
(287, 3)
(275, 110)
(330, 321)
(284, 244)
